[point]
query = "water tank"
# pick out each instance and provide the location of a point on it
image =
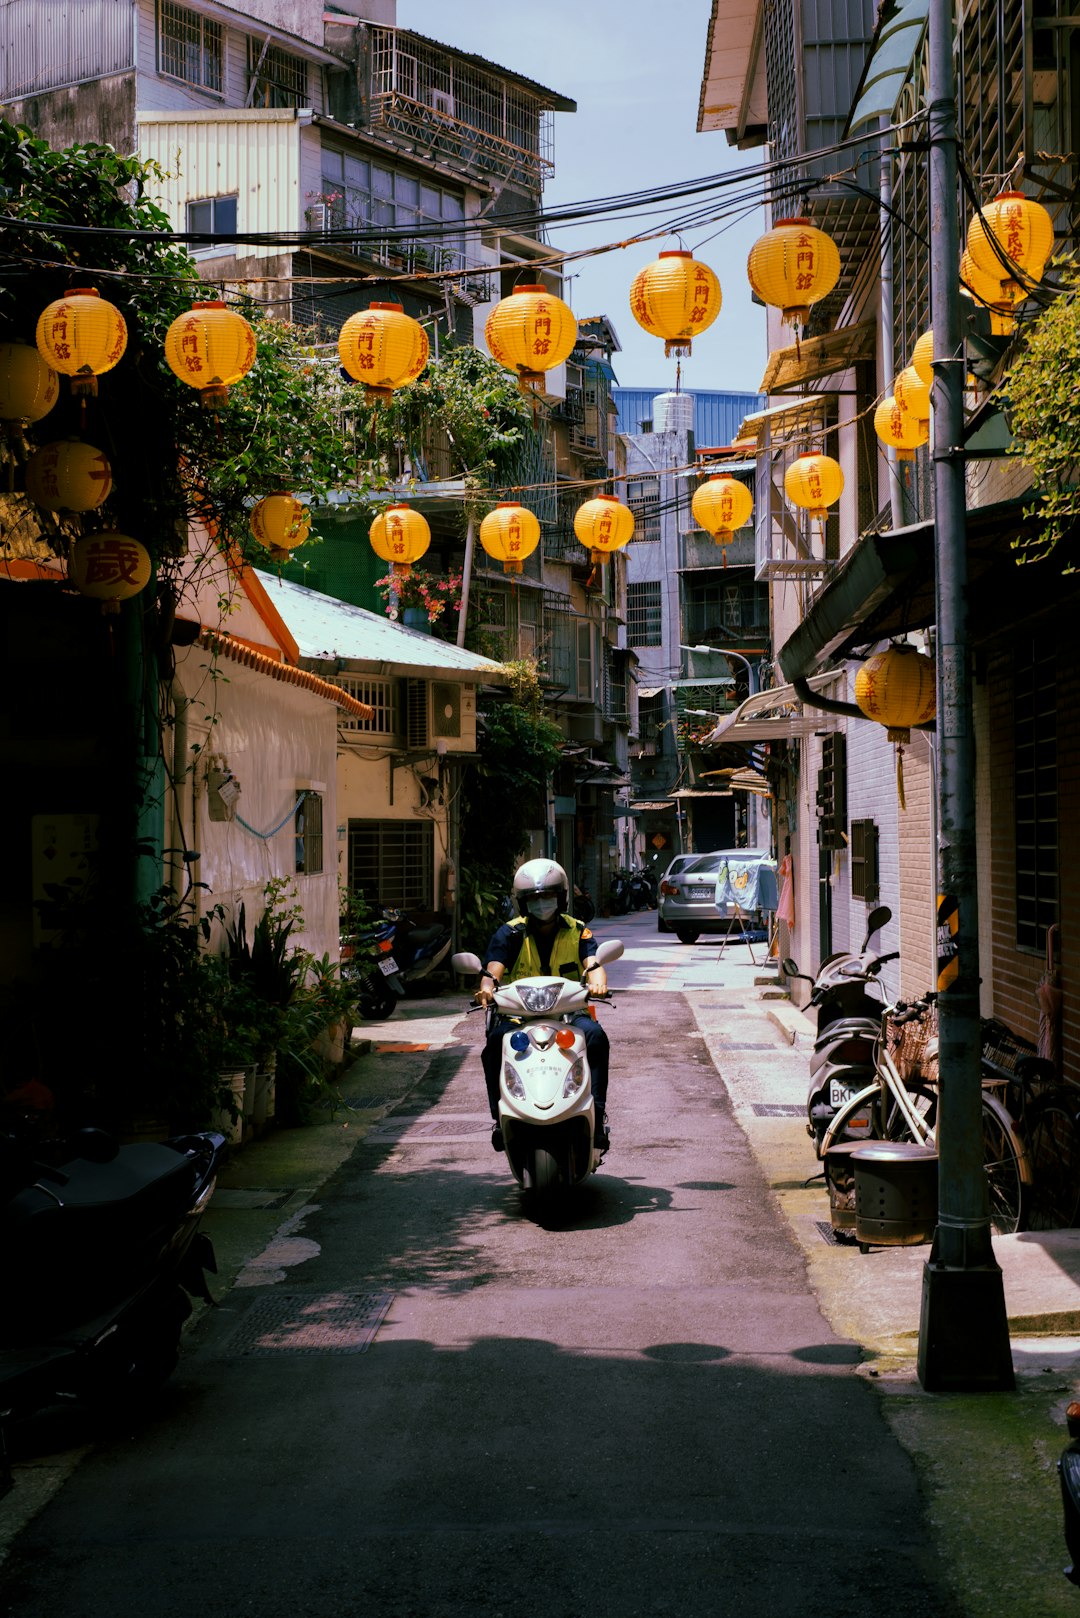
(673, 413)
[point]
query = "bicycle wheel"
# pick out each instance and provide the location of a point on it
(924, 1100)
(1054, 1150)
(1003, 1158)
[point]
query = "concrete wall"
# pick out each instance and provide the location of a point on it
(103, 110)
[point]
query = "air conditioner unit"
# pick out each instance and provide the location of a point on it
(415, 714)
(318, 217)
(442, 102)
(445, 709)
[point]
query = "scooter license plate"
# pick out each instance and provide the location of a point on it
(701, 893)
(388, 966)
(840, 1093)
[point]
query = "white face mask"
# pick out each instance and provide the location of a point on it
(543, 909)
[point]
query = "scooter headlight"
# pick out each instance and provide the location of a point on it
(575, 1078)
(512, 1080)
(540, 999)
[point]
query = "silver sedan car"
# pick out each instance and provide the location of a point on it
(688, 905)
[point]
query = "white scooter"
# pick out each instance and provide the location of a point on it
(546, 1110)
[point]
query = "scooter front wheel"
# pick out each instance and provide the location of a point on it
(544, 1172)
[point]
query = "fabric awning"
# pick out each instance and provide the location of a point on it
(816, 357)
(776, 715)
(896, 39)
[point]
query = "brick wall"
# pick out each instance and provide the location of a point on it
(915, 880)
(872, 796)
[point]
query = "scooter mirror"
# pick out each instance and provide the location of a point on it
(465, 962)
(609, 950)
(875, 921)
(789, 967)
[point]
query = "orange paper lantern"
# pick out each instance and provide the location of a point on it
(281, 522)
(999, 297)
(900, 429)
(109, 568)
(82, 336)
(29, 387)
(400, 536)
(68, 476)
(210, 348)
(603, 525)
(384, 348)
(676, 298)
(793, 266)
(721, 505)
(922, 357)
(912, 394)
(814, 482)
(898, 688)
(531, 332)
(1018, 228)
(509, 534)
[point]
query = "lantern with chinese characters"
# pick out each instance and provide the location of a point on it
(509, 534)
(603, 525)
(1023, 232)
(676, 298)
(28, 386)
(384, 348)
(814, 482)
(110, 568)
(281, 522)
(793, 266)
(531, 332)
(82, 335)
(897, 688)
(721, 505)
(999, 297)
(68, 476)
(210, 348)
(922, 357)
(400, 536)
(912, 394)
(898, 428)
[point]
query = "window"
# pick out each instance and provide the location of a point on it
(643, 498)
(190, 47)
(215, 216)
(309, 834)
(382, 695)
(278, 79)
(1035, 794)
(643, 614)
(367, 195)
(651, 721)
(586, 664)
(392, 861)
(864, 861)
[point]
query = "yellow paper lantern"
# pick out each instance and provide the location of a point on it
(898, 688)
(210, 348)
(531, 332)
(281, 522)
(603, 525)
(1000, 297)
(384, 348)
(922, 357)
(1022, 230)
(68, 476)
(400, 536)
(814, 482)
(793, 266)
(721, 505)
(82, 335)
(109, 568)
(509, 534)
(676, 298)
(898, 428)
(29, 387)
(912, 394)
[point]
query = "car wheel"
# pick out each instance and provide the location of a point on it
(687, 935)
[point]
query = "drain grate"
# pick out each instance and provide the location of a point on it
(732, 1046)
(777, 1109)
(429, 1129)
(826, 1232)
(241, 1199)
(308, 1323)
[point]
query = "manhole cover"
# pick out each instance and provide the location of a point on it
(307, 1323)
(777, 1109)
(430, 1128)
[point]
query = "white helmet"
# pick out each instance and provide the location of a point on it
(540, 879)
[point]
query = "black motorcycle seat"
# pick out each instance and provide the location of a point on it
(147, 1172)
(419, 936)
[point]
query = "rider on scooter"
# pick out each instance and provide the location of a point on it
(544, 941)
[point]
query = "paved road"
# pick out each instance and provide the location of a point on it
(636, 1411)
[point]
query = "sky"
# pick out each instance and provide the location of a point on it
(634, 67)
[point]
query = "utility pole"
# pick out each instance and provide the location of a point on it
(963, 1329)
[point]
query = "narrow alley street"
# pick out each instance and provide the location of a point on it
(637, 1411)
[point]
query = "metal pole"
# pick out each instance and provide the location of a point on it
(896, 488)
(466, 582)
(963, 1329)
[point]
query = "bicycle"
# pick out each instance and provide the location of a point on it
(902, 1106)
(1046, 1110)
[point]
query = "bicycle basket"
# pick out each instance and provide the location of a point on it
(1001, 1048)
(913, 1045)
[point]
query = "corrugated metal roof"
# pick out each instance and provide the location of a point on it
(327, 630)
(716, 415)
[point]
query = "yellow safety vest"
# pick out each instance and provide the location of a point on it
(565, 952)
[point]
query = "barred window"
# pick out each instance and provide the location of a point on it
(392, 862)
(309, 834)
(382, 695)
(1036, 794)
(190, 47)
(643, 498)
(643, 614)
(279, 79)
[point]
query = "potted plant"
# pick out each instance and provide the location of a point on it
(420, 597)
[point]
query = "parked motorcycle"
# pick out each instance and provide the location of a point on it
(546, 1110)
(419, 951)
(101, 1251)
(643, 890)
(848, 1025)
(369, 963)
(619, 893)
